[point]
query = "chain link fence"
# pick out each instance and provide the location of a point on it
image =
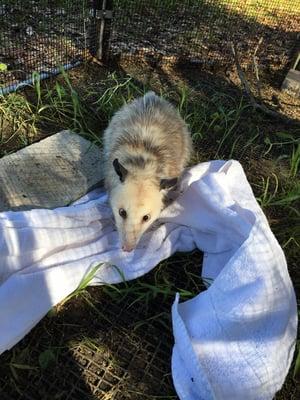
(44, 35)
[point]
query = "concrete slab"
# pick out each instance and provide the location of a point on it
(291, 84)
(51, 173)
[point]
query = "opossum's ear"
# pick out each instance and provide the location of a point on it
(120, 170)
(168, 183)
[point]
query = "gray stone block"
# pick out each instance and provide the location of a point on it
(291, 84)
(51, 173)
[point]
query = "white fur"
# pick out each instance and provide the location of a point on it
(151, 142)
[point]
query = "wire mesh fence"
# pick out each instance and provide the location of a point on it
(102, 346)
(40, 36)
(201, 31)
(43, 35)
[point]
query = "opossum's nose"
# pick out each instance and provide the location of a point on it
(127, 248)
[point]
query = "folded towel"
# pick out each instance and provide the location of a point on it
(235, 340)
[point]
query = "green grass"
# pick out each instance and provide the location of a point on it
(253, 6)
(85, 282)
(264, 11)
(223, 125)
(264, 6)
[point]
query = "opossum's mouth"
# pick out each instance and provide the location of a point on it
(129, 246)
(128, 249)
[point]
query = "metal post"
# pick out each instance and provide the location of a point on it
(103, 16)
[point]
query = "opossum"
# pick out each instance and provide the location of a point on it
(146, 147)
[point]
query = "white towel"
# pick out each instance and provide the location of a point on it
(235, 340)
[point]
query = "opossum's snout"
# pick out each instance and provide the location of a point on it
(128, 245)
(130, 234)
(129, 237)
(127, 248)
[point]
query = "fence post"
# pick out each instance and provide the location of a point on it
(103, 17)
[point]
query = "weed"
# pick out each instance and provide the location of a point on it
(46, 358)
(17, 120)
(85, 282)
(295, 161)
(296, 374)
(18, 362)
(268, 195)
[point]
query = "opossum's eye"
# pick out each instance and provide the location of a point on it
(146, 217)
(122, 213)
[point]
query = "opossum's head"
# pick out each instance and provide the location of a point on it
(136, 203)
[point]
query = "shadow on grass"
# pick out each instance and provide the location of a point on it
(201, 32)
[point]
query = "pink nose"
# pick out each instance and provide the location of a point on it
(127, 248)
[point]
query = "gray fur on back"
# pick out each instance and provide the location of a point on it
(147, 134)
